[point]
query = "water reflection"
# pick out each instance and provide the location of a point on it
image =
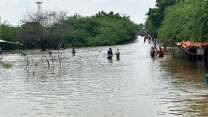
(188, 81)
(89, 85)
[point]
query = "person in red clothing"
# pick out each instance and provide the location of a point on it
(161, 52)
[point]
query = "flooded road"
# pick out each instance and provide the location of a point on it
(88, 85)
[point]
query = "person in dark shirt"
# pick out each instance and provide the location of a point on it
(110, 53)
(152, 52)
(73, 51)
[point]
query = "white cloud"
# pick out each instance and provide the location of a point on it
(14, 10)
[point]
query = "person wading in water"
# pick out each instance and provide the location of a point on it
(118, 54)
(110, 53)
(73, 52)
(152, 52)
(161, 52)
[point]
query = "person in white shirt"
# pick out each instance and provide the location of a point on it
(118, 54)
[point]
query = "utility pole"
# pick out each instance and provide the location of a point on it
(40, 23)
(39, 9)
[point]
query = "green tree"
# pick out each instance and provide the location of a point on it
(156, 15)
(8, 33)
(187, 20)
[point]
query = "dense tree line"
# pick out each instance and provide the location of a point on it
(177, 20)
(51, 30)
(8, 33)
(156, 15)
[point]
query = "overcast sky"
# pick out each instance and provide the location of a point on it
(13, 10)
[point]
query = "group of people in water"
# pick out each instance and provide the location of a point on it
(110, 54)
(154, 51)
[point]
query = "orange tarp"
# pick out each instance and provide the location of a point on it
(187, 44)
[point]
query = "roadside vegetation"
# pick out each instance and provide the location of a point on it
(177, 20)
(51, 29)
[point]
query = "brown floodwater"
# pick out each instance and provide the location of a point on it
(89, 85)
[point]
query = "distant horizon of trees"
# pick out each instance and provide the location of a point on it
(52, 28)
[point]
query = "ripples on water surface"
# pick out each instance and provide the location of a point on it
(88, 85)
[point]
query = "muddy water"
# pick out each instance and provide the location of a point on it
(88, 85)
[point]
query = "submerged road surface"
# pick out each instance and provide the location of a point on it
(88, 85)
